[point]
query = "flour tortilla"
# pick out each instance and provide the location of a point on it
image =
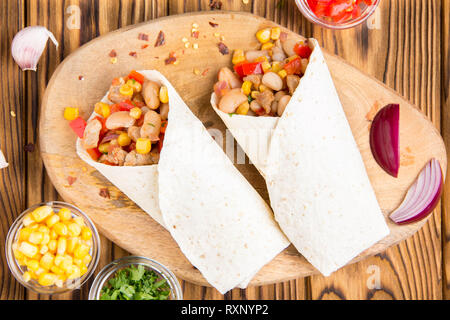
(220, 222)
(317, 182)
(139, 183)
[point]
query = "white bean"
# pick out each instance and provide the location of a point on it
(232, 100)
(273, 81)
(225, 74)
(150, 92)
(288, 46)
(252, 55)
(121, 119)
(282, 104)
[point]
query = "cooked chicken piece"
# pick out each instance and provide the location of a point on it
(136, 159)
(120, 119)
(134, 133)
(114, 92)
(116, 156)
(265, 100)
(151, 127)
(255, 79)
(278, 54)
(292, 82)
(91, 134)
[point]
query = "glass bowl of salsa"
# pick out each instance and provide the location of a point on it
(337, 14)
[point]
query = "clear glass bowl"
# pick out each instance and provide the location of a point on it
(109, 270)
(309, 14)
(18, 270)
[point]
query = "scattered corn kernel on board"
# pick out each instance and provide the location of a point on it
(82, 79)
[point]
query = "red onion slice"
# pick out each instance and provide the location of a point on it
(384, 138)
(422, 197)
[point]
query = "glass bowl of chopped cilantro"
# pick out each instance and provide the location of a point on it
(135, 278)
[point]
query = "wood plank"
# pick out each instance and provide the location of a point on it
(404, 53)
(12, 127)
(445, 121)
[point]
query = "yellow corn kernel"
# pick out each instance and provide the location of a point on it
(37, 256)
(254, 94)
(74, 229)
(123, 140)
(64, 214)
(62, 245)
(59, 283)
(47, 260)
(32, 265)
(78, 262)
(267, 46)
(36, 237)
(59, 259)
(83, 270)
(266, 66)
(71, 113)
(137, 87)
(53, 234)
(24, 234)
(28, 220)
(143, 145)
(104, 147)
(275, 33)
(238, 56)
(51, 220)
(292, 58)
(282, 73)
(61, 229)
(17, 254)
(66, 263)
(71, 244)
(247, 87)
(52, 245)
(86, 233)
(136, 113)
(39, 214)
(23, 261)
(276, 66)
(43, 228)
(43, 249)
(56, 270)
(26, 276)
(79, 221)
(263, 88)
(87, 259)
(73, 272)
(263, 35)
(34, 226)
(61, 277)
(47, 279)
(81, 251)
(28, 249)
(243, 108)
(102, 109)
(126, 90)
(46, 239)
(39, 271)
(261, 59)
(164, 94)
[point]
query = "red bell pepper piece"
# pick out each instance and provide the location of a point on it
(294, 66)
(136, 76)
(78, 125)
(238, 69)
(94, 153)
(252, 68)
(126, 105)
(302, 50)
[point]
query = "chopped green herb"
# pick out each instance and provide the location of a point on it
(136, 283)
(249, 98)
(231, 114)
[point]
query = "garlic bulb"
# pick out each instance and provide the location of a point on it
(3, 163)
(28, 45)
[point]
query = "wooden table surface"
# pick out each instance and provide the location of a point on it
(405, 45)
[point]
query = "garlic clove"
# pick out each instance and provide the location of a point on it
(28, 45)
(3, 163)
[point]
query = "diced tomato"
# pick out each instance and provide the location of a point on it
(252, 68)
(302, 50)
(160, 142)
(136, 76)
(78, 125)
(338, 10)
(163, 126)
(94, 153)
(126, 105)
(238, 69)
(294, 66)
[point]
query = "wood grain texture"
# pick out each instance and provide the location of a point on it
(408, 271)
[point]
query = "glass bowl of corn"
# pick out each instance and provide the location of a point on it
(52, 248)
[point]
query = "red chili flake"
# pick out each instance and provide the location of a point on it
(205, 72)
(223, 48)
(104, 193)
(214, 25)
(133, 54)
(81, 78)
(113, 53)
(160, 40)
(71, 180)
(143, 36)
(214, 4)
(171, 59)
(195, 34)
(29, 147)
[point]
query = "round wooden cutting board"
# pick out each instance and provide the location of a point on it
(82, 79)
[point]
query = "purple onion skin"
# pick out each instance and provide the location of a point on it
(428, 209)
(384, 139)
